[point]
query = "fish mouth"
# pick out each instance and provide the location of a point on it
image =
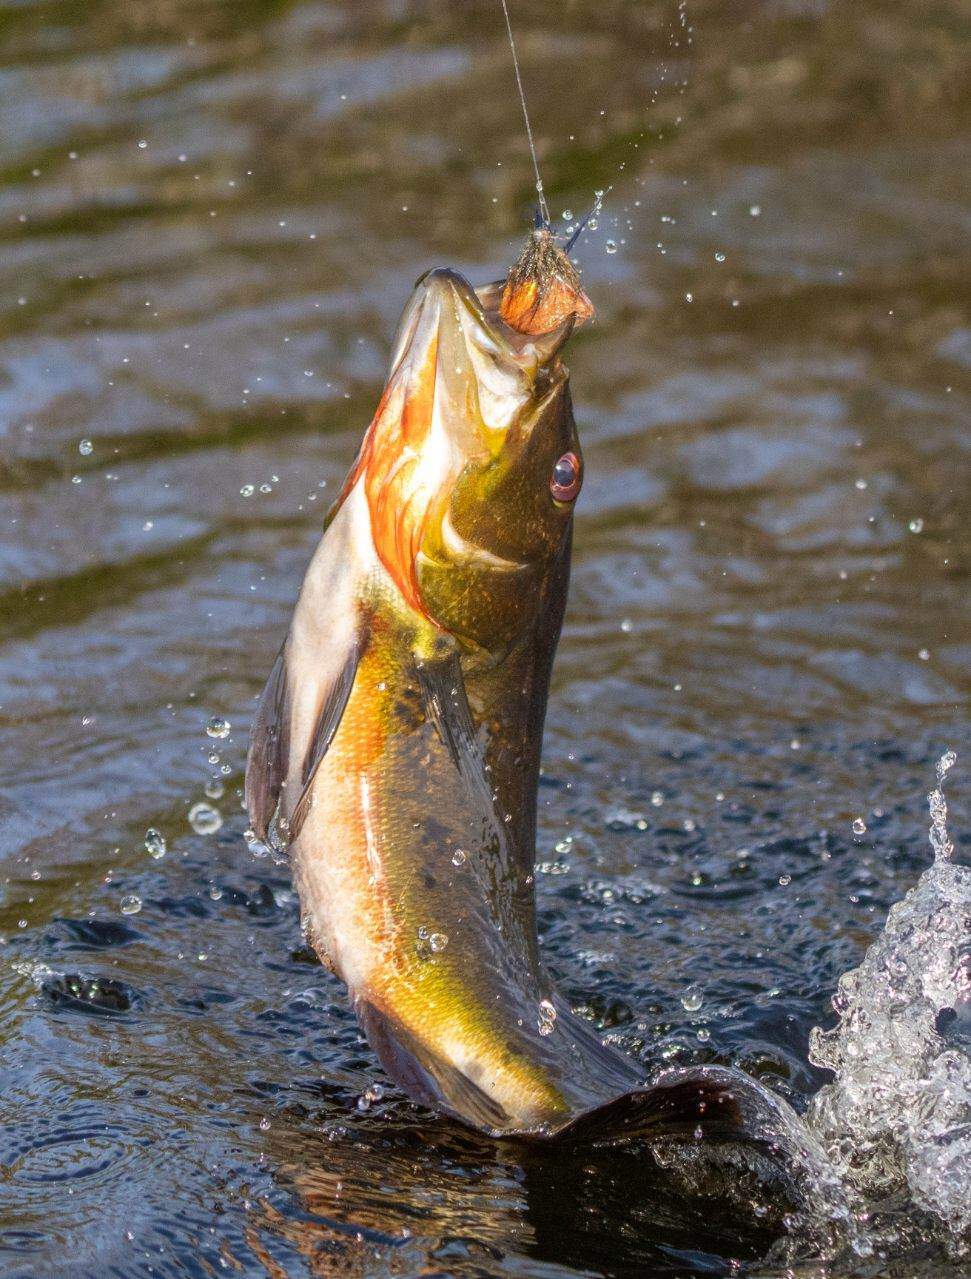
(456, 334)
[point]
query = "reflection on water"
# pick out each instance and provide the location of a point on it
(210, 216)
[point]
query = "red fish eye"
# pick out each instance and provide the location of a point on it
(565, 480)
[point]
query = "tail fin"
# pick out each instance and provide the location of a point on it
(710, 1103)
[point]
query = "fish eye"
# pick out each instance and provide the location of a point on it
(566, 478)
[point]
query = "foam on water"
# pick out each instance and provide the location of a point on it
(898, 1115)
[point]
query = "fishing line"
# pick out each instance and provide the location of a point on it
(544, 209)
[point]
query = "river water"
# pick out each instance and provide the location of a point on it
(210, 217)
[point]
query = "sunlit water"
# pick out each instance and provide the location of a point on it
(210, 217)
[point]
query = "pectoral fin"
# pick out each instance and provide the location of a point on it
(269, 750)
(301, 707)
(328, 722)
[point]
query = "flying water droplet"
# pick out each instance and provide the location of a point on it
(916, 525)
(247, 490)
(131, 905)
(459, 857)
(218, 727)
(546, 1020)
(204, 819)
(611, 246)
(85, 448)
(437, 943)
(692, 999)
(859, 826)
(155, 844)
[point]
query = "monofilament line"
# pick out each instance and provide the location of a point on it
(544, 210)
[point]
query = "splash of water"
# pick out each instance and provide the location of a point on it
(898, 1115)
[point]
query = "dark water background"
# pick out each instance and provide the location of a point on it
(210, 217)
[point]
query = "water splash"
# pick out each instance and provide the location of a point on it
(897, 1118)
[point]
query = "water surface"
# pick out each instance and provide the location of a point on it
(210, 217)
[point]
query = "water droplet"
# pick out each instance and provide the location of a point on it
(266, 488)
(754, 210)
(155, 844)
(692, 999)
(611, 246)
(142, 144)
(247, 490)
(567, 215)
(204, 819)
(657, 799)
(592, 224)
(218, 727)
(459, 857)
(916, 525)
(131, 905)
(85, 448)
(437, 943)
(860, 484)
(264, 1124)
(719, 257)
(547, 1017)
(859, 826)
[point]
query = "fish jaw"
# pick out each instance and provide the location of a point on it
(461, 386)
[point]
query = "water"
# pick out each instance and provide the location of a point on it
(767, 637)
(899, 1112)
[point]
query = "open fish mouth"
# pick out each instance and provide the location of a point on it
(453, 345)
(502, 338)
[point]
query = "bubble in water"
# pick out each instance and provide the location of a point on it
(547, 1017)
(437, 942)
(611, 246)
(155, 844)
(459, 857)
(859, 826)
(372, 1094)
(86, 448)
(218, 727)
(204, 819)
(692, 999)
(131, 905)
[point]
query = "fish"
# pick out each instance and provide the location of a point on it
(396, 748)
